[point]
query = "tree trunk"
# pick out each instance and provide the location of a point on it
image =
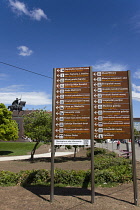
(33, 151)
(75, 148)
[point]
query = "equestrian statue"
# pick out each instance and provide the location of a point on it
(17, 105)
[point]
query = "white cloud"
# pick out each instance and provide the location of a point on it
(18, 7)
(136, 92)
(109, 66)
(10, 93)
(24, 51)
(136, 96)
(137, 74)
(135, 22)
(31, 98)
(3, 76)
(21, 9)
(12, 88)
(135, 87)
(37, 14)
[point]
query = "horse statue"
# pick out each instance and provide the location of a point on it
(16, 105)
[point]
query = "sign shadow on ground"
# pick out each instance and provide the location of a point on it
(42, 190)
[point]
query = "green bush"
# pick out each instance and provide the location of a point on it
(8, 178)
(105, 162)
(107, 167)
(101, 151)
(69, 177)
(33, 177)
(115, 174)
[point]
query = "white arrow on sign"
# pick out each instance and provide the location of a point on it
(57, 96)
(95, 101)
(57, 91)
(57, 107)
(57, 118)
(95, 90)
(57, 124)
(58, 70)
(94, 74)
(95, 106)
(56, 130)
(96, 136)
(57, 102)
(58, 80)
(95, 95)
(95, 112)
(95, 123)
(95, 84)
(95, 130)
(58, 75)
(56, 136)
(95, 118)
(95, 79)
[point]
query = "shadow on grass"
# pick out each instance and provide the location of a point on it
(57, 159)
(41, 191)
(5, 152)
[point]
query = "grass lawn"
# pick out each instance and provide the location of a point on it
(16, 148)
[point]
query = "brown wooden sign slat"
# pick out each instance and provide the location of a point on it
(70, 80)
(110, 73)
(111, 95)
(73, 85)
(112, 136)
(120, 85)
(110, 106)
(72, 91)
(84, 73)
(72, 107)
(112, 112)
(72, 135)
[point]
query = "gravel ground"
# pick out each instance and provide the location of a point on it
(38, 197)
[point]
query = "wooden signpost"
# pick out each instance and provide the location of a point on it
(91, 105)
(72, 118)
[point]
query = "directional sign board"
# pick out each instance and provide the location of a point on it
(88, 106)
(72, 106)
(111, 108)
(111, 105)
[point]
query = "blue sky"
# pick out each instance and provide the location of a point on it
(39, 35)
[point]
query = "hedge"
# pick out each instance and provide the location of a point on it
(108, 168)
(115, 174)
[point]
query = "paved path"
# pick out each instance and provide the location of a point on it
(24, 157)
(109, 146)
(113, 147)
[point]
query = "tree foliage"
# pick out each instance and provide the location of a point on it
(38, 127)
(8, 127)
(136, 132)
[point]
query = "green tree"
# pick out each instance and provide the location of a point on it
(8, 127)
(136, 133)
(38, 127)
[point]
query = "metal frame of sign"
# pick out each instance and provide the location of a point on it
(53, 135)
(133, 144)
(92, 137)
(91, 133)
